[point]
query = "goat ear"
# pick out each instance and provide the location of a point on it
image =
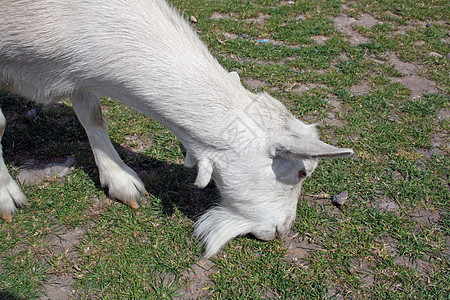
(205, 169)
(235, 77)
(307, 147)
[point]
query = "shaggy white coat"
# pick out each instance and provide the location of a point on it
(144, 54)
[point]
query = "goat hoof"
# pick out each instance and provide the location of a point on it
(6, 216)
(133, 204)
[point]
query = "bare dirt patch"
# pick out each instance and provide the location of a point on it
(332, 118)
(230, 36)
(443, 115)
(335, 103)
(418, 264)
(261, 19)
(58, 288)
(219, 16)
(320, 39)
(425, 217)
(344, 24)
(63, 241)
(390, 246)
(363, 271)
(62, 248)
(447, 246)
(254, 84)
(440, 141)
(299, 248)
(98, 207)
(388, 205)
(36, 171)
(440, 145)
(366, 20)
(199, 280)
(406, 68)
(360, 89)
(418, 85)
(301, 88)
(137, 143)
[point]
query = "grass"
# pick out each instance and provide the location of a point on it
(389, 240)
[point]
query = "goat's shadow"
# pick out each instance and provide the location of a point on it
(53, 132)
(5, 295)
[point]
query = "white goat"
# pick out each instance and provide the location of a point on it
(142, 53)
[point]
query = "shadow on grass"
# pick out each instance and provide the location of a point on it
(5, 295)
(53, 132)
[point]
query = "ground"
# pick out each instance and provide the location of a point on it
(373, 75)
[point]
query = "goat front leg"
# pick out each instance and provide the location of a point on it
(10, 193)
(121, 181)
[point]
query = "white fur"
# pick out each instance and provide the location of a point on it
(145, 55)
(10, 193)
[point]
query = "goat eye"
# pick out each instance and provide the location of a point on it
(301, 174)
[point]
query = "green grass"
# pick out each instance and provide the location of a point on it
(360, 250)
